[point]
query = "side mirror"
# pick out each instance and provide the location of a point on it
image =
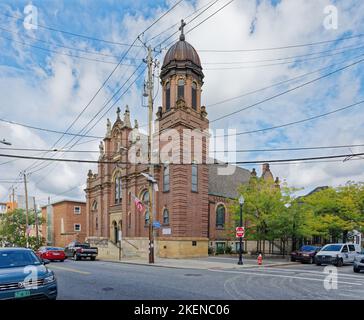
(46, 261)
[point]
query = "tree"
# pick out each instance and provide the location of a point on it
(337, 210)
(13, 229)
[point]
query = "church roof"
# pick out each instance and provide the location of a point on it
(226, 185)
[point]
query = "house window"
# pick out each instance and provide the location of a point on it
(168, 96)
(194, 180)
(220, 216)
(77, 210)
(165, 216)
(145, 200)
(118, 189)
(166, 178)
(181, 89)
(77, 227)
(194, 95)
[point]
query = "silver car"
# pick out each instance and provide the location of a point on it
(359, 262)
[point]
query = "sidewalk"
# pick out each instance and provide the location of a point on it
(205, 263)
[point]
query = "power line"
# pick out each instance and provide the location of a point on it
(287, 91)
(46, 130)
(284, 47)
(283, 63)
(68, 32)
(279, 83)
(215, 151)
(61, 45)
(295, 122)
(59, 52)
(221, 163)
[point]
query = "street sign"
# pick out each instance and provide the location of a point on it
(240, 232)
(156, 224)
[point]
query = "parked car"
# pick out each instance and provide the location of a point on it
(51, 253)
(337, 254)
(359, 262)
(79, 250)
(305, 254)
(23, 275)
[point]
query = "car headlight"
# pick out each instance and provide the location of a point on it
(49, 279)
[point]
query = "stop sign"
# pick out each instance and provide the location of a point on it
(240, 231)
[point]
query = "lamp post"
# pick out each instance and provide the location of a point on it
(241, 203)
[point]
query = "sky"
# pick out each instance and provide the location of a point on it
(47, 78)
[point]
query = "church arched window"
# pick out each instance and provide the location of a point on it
(165, 216)
(94, 205)
(168, 96)
(220, 216)
(118, 189)
(194, 177)
(194, 95)
(166, 178)
(181, 89)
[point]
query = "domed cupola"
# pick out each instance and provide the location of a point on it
(181, 56)
(182, 77)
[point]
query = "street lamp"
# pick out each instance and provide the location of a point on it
(241, 203)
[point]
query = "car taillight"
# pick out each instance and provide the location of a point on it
(79, 250)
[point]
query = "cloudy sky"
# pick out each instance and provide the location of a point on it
(250, 50)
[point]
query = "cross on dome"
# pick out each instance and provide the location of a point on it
(181, 28)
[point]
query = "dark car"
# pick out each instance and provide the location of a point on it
(305, 254)
(24, 276)
(79, 250)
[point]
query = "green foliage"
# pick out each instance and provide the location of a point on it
(274, 213)
(228, 250)
(13, 229)
(220, 250)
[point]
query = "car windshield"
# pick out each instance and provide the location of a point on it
(17, 258)
(83, 245)
(332, 247)
(308, 248)
(54, 249)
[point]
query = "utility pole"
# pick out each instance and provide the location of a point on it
(13, 196)
(36, 220)
(151, 169)
(26, 208)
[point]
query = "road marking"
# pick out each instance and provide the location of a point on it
(69, 269)
(283, 276)
(341, 274)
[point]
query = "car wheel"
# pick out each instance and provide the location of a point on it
(62, 260)
(312, 260)
(318, 264)
(340, 263)
(356, 270)
(75, 257)
(293, 259)
(93, 258)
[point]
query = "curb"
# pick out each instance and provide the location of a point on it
(198, 268)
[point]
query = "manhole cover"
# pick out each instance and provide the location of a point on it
(193, 275)
(107, 289)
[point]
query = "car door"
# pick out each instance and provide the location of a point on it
(345, 254)
(352, 252)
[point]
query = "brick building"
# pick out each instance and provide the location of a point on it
(65, 221)
(193, 197)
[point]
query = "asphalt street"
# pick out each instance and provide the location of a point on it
(99, 280)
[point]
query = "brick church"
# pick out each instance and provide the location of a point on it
(192, 201)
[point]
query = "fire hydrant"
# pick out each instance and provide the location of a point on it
(260, 259)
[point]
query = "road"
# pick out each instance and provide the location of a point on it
(114, 281)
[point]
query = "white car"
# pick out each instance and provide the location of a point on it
(359, 262)
(337, 254)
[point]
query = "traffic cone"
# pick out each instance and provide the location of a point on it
(260, 259)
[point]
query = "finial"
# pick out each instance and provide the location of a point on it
(181, 28)
(118, 112)
(136, 125)
(127, 108)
